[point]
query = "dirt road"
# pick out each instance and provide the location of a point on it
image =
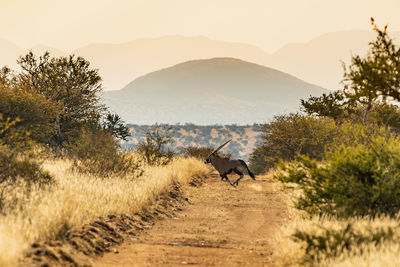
(222, 226)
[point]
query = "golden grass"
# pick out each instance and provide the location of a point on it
(291, 253)
(77, 199)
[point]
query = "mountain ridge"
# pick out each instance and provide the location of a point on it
(316, 61)
(208, 91)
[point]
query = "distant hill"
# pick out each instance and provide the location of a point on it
(119, 64)
(244, 138)
(212, 91)
(9, 52)
(316, 61)
(319, 60)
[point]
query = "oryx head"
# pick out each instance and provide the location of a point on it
(208, 159)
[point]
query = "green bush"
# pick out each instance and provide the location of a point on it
(18, 162)
(386, 115)
(289, 135)
(359, 179)
(97, 152)
(35, 113)
(154, 149)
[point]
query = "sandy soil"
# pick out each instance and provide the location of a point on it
(222, 226)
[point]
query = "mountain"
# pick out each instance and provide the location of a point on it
(210, 91)
(9, 52)
(120, 63)
(316, 61)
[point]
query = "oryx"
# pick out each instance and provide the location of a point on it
(226, 166)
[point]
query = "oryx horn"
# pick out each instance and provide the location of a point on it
(221, 146)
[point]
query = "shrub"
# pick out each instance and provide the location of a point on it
(361, 179)
(35, 113)
(14, 166)
(154, 149)
(288, 135)
(260, 161)
(19, 162)
(97, 152)
(386, 115)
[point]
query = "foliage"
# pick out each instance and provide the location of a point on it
(375, 76)
(336, 106)
(97, 152)
(17, 163)
(70, 84)
(386, 115)
(36, 114)
(12, 136)
(14, 166)
(259, 162)
(358, 179)
(116, 126)
(288, 135)
(332, 105)
(367, 80)
(154, 149)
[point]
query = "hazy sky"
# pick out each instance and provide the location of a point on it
(69, 24)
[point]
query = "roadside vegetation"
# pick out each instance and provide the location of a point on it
(61, 162)
(30, 214)
(338, 160)
(244, 137)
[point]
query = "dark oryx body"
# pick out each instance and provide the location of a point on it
(226, 166)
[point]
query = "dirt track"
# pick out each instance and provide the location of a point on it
(223, 226)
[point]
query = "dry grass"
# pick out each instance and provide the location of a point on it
(291, 253)
(76, 199)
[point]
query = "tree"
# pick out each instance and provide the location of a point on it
(292, 134)
(377, 75)
(116, 126)
(331, 105)
(70, 83)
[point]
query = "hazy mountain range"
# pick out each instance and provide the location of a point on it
(211, 91)
(317, 61)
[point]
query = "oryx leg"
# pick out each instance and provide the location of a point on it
(225, 175)
(241, 176)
